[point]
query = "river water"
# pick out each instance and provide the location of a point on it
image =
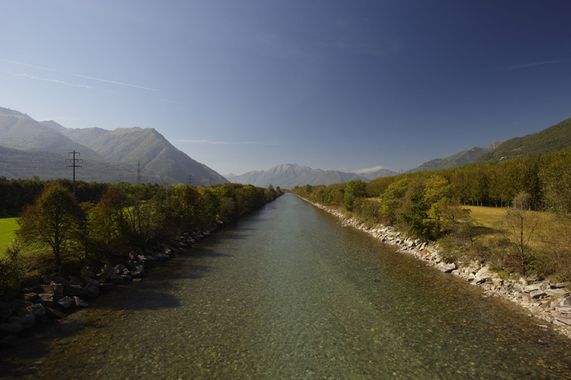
(290, 293)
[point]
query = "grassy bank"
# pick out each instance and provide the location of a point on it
(8, 227)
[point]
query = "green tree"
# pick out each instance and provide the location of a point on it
(353, 190)
(51, 221)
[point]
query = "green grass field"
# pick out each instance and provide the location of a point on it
(8, 227)
(494, 220)
(490, 217)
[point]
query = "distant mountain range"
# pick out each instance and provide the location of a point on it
(30, 148)
(552, 139)
(375, 172)
(290, 175)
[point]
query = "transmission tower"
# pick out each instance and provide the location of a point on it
(73, 162)
(138, 172)
(189, 180)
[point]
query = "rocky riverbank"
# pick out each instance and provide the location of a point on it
(54, 297)
(550, 302)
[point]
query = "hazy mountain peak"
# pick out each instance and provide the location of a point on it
(10, 112)
(291, 175)
(53, 125)
(375, 172)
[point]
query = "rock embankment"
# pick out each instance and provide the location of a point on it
(550, 302)
(56, 296)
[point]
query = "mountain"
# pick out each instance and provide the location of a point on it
(375, 172)
(464, 157)
(148, 147)
(291, 175)
(552, 139)
(38, 148)
(19, 131)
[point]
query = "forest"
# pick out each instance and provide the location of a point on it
(535, 192)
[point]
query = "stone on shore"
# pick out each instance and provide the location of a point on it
(482, 275)
(537, 293)
(66, 302)
(557, 292)
(446, 268)
(533, 287)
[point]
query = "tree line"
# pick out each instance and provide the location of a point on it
(107, 222)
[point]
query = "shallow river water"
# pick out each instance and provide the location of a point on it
(289, 293)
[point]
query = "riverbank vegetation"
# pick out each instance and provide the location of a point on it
(59, 230)
(520, 223)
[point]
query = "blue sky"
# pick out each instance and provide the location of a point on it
(242, 85)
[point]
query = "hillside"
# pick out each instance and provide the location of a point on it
(149, 148)
(19, 131)
(457, 159)
(552, 139)
(291, 175)
(375, 172)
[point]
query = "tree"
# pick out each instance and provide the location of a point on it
(51, 221)
(353, 190)
(521, 224)
(107, 223)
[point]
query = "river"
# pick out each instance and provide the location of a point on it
(290, 293)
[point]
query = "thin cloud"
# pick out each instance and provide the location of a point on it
(221, 142)
(51, 80)
(82, 76)
(532, 64)
(118, 83)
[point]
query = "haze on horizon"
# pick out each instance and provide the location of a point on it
(247, 85)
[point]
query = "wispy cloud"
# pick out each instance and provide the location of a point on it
(114, 82)
(532, 64)
(221, 142)
(51, 80)
(82, 76)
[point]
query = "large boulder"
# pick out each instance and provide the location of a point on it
(483, 275)
(446, 268)
(557, 292)
(537, 293)
(66, 303)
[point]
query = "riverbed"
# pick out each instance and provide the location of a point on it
(290, 293)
